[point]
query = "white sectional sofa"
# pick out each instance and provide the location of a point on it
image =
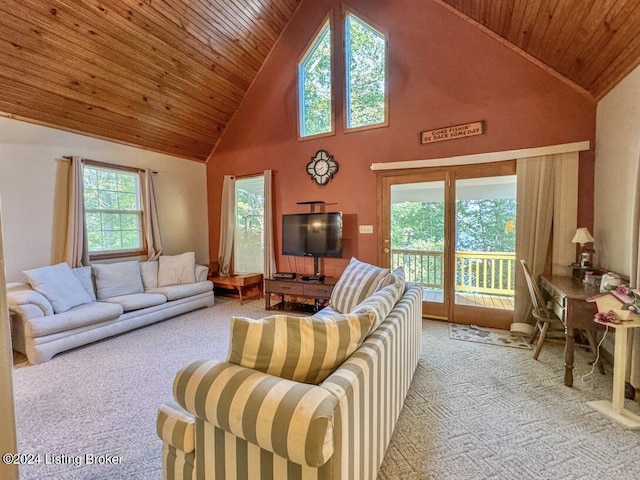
(266, 413)
(63, 308)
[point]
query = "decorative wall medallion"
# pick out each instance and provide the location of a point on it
(322, 167)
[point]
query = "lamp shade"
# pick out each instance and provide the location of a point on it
(582, 236)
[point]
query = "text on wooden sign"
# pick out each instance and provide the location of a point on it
(450, 133)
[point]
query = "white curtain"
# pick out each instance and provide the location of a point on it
(535, 183)
(76, 251)
(150, 216)
(269, 240)
(227, 224)
(633, 367)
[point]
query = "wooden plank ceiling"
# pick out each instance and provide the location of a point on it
(167, 75)
(593, 43)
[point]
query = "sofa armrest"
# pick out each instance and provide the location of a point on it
(291, 419)
(175, 427)
(201, 273)
(23, 300)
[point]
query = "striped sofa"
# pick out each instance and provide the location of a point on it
(339, 429)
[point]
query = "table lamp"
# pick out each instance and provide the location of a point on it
(583, 237)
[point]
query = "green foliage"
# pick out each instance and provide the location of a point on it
(417, 226)
(315, 73)
(112, 210)
(249, 238)
(366, 59)
(482, 225)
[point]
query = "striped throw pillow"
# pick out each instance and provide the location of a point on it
(357, 282)
(303, 349)
(382, 302)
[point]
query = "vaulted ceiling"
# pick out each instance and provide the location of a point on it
(167, 75)
(593, 43)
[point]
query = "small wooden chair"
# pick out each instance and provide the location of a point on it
(544, 317)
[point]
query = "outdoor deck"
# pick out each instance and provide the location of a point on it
(503, 302)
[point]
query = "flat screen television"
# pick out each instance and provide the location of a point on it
(312, 234)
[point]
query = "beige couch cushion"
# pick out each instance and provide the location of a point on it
(176, 269)
(116, 279)
(136, 301)
(149, 272)
(174, 292)
(80, 316)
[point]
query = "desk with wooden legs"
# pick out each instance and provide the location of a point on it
(568, 301)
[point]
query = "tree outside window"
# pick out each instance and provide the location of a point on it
(366, 57)
(248, 245)
(112, 210)
(316, 107)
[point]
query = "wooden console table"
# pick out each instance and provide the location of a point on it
(299, 288)
(243, 284)
(568, 296)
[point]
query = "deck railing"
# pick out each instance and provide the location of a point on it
(482, 272)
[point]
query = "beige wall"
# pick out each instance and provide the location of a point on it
(32, 178)
(617, 158)
(8, 441)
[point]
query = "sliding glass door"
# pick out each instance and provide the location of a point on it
(417, 223)
(453, 232)
(485, 246)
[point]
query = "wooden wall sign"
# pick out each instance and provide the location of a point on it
(450, 133)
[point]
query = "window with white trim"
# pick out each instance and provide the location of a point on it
(315, 86)
(113, 212)
(366, 74)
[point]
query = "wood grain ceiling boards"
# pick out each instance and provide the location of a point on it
(165, 75)
(593, 43)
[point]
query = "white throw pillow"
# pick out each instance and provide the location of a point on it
(177, 269)
(59, 285)
(115, 279)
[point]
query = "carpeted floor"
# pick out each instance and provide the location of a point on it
(474, 411)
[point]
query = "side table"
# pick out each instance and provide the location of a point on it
(242, 284)
(614, 408)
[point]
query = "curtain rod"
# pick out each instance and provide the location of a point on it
(111, 165)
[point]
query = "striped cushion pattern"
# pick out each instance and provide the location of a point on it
(358, 281)
(175, 426)
(372, 385)
(229, 457)
(369, 389)
(177, 464)
(291, 419)
(304, 349)
(382, 301)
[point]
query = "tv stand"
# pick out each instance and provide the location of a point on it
(291, 290)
